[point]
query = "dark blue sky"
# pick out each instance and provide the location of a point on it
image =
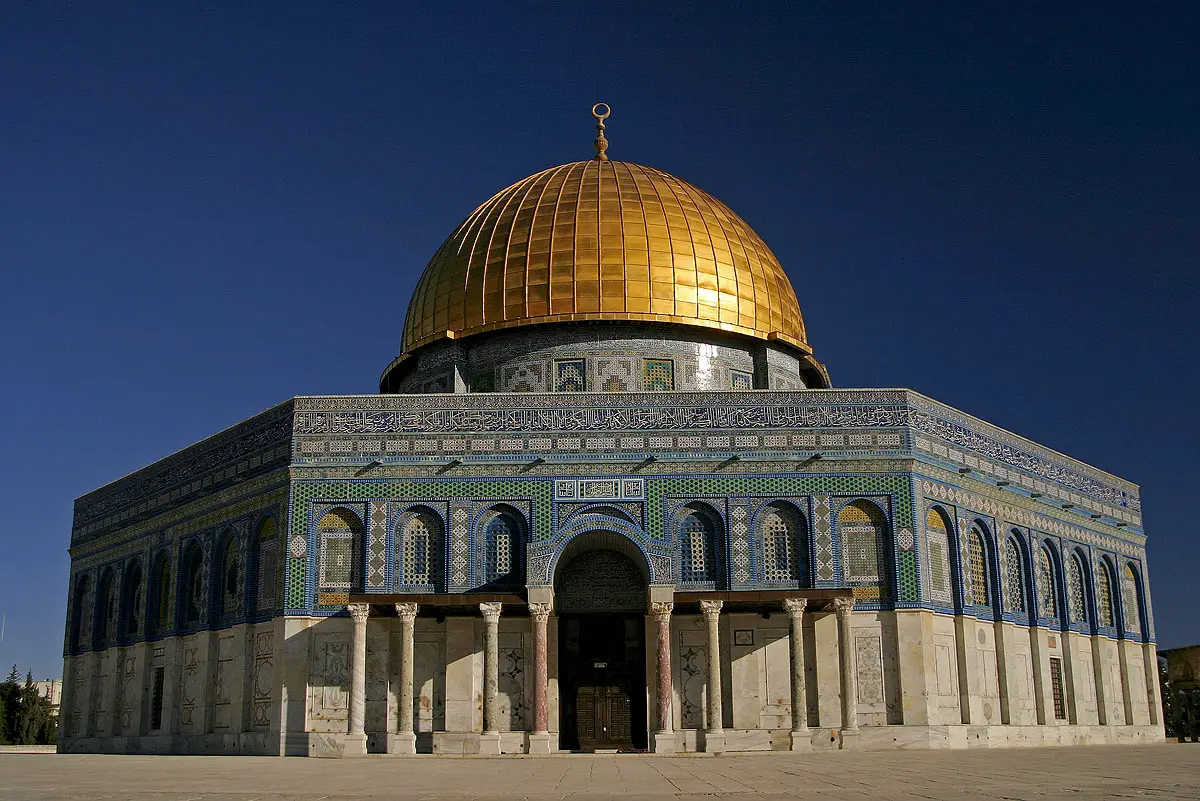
(206, 208)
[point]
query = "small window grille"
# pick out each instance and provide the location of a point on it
(1104, 604)
(1047, 592)
(501, 539)
(979, 574)
(418, 565)
(779, 531)
(1056, 687)
(1076, 602)
(696, 544)
(156, 700)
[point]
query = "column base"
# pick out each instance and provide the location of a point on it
(541, 742)
(355, 745)
(802, 740)
(489, 743)
(849, 740)
(402, 743)
(714, 742)
(664, 742)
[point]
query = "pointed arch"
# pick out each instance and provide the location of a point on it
(1131, 600)
(191, 600)
(979, 567)
(267, 564)
(79, 612)
(229, 588)
(1105, 612)
(1047, 582)
(783, 535)
(700, 538)
(938, 530)
(132, 601)
(502, 531)
(160, 592)
(104, 630)
(1015, 573)
(1077, 601)
(862, 526)
(340, 539)
(420, 550)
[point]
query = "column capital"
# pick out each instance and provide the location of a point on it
(662, 610)
(540, 612)
(795, 606)
(360, 612)
(490, 611)
(711, 608)
(843, 606)
(407, 611)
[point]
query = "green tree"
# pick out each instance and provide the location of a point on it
(10, 701)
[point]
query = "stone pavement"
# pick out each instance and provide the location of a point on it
(1159, 771)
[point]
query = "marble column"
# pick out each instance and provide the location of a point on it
(405, 741)
(539, 739)
(356, 737)
(664, 736)
(714, 740)
(844, 607)
(801, 738)
(489, 741)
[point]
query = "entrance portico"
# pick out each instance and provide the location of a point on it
(606, 679)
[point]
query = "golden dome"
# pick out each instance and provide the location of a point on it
(603, 240)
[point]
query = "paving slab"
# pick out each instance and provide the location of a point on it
(1168, 771)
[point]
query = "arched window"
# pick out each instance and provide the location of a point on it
(192, 590)
(863, 528)
(937, 544)
(977, 587)
(1104, 600)
(161, 592)
(502, 549)
(420, 552)
(339, 533)
(1047, 587)
(697, 548)
(784, 544)
(268, 563)
(79, 613)
(131, 600)
(231, 581)
(107, 610)
(1076, 600)
(1014, 576)
(1131, 601)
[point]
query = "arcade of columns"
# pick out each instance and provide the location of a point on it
(540, 738)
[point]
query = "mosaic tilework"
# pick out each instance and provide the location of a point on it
(659, 375)
(460, 557)
(614, 374)
(377, 549)
(570, 375)
(739, 542)
(823, 539)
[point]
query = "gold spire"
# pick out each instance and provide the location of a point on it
(601, 142)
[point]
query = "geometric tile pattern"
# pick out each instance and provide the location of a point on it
(377, 550)
(823, 539)
(739, 541)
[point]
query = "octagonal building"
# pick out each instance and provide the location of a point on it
(607, 498)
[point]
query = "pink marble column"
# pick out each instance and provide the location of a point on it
(662, 619)
(843, 608)
(801, 739)
(540, 614)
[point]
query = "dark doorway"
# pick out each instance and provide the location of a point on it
(602, 668)
(600, 599)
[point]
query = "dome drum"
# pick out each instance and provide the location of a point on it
(601, 357)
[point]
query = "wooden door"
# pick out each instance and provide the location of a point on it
(603, 717)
